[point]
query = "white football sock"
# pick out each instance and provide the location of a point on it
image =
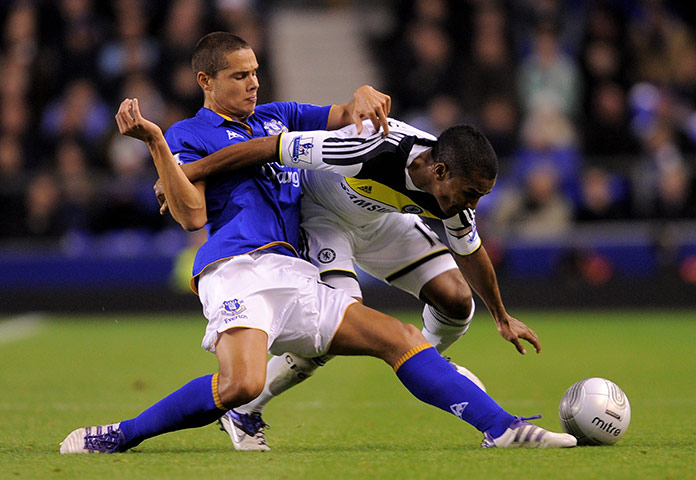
(283, 372)
(441, 330)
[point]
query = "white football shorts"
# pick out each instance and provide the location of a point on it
(399, 249)
(281, 295)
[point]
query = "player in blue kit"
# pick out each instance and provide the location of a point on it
(257, 295)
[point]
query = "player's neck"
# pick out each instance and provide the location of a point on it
(227, 115)
(418, 171)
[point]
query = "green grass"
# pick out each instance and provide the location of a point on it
(353, 419)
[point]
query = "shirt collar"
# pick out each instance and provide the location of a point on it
(217, 119)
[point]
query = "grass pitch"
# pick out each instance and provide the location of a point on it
(353, 420)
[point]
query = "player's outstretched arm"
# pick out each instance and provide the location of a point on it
(186, 201)
(249, 153)
(479, 272)
(366, 104)
(304, 150)
(294, 149)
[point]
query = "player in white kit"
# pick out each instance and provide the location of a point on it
(363, 194)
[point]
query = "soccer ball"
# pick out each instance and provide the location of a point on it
(595, 411)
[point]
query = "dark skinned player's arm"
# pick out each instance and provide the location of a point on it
(479, 272)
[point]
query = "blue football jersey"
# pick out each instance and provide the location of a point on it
(255, 208)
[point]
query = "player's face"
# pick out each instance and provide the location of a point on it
(233, 91)
(455, 194)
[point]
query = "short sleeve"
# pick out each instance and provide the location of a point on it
(461, 232)
(184, 145)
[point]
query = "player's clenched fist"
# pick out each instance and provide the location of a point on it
(131, 122)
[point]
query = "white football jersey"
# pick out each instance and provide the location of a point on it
(361, 177)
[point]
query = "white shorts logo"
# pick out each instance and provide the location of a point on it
(326, 255)
(233, 309)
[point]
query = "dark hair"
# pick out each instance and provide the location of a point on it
(466, 152)
(209, 54)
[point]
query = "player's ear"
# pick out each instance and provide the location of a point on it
(440, 171)
(203, 80)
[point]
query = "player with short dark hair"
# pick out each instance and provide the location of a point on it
(466, 152)
(257, 295)
(207, 56)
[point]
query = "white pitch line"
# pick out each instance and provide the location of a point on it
(21, 326)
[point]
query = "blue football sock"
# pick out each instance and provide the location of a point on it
(432, 380)
(194, 405)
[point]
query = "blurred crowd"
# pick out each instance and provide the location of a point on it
(65, 67)
(591, 105)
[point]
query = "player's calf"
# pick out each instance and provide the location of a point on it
(365, 331)
(283, 372)
(238, 391)
(242, 357)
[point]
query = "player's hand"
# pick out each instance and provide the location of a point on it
(513, 331)
(132, 124)
(372, 105)
(161, 198)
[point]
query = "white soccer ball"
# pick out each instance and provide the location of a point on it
(595, 411)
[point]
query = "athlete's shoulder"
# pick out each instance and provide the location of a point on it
(182, 126)
(187, 138)
(184, 131)
(296, 116)
(285, 109)
(202, 121)
(274, 108)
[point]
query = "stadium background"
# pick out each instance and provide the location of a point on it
(591, 106)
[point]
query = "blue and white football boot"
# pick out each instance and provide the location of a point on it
(522, 434)
(247, 431)
(99, 439)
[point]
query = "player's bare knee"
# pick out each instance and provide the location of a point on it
(239, 391)
(395, 340)
(455, 305)
(410, 337)
(415, 336)
(407, 338)
(449, 294)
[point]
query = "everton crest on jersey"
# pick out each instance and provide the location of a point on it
(274, 127)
